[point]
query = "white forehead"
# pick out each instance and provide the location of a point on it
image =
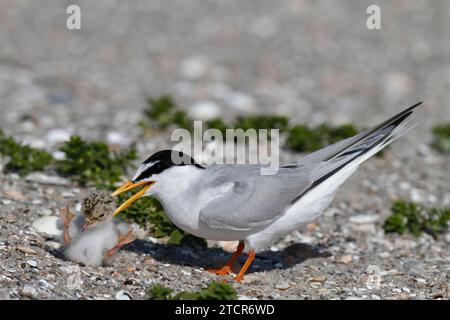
(143, 167)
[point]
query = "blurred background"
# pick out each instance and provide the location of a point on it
(313, 61)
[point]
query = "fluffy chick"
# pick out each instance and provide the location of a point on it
(93, 237)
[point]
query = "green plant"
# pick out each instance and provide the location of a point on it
(159, 292)
(261, 122)
(214, 291)
(416, 219)
(302, 138)
(441, 141)
(162, 113)
(93, 163)
(22, 158)
(217, 123)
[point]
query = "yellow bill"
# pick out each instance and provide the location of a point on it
(129, 185)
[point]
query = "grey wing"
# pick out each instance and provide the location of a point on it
(253, 200)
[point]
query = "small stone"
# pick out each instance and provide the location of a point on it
(204, 110)
(45, 179)
(354, 298)
(29, 291)
(117, 138)
(32, 263)
(283, 286)
(48, 225)
(278, 265)
(345, 259)
(318, 279)
(417, 195)
(241, 101)
(364, 219)
(11, 218)
(57, 136)
(149, 261)
(74, 282)
(26, 250)
(4, 294)
(14, 195)
(53, 244)
(323, 291)
(194, 67)
(123, 295)
(59, 155)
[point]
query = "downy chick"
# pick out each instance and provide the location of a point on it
(93, 236)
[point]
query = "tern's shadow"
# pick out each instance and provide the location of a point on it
(196, 256)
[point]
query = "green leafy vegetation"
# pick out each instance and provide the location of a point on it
(148, 212)
(261, 122)
(93, 163)
(409, 217)
(162, 113)
(302, 138)
(214, 291)
(441, 140)
(22, 158)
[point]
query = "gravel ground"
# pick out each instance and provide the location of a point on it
(312, 61)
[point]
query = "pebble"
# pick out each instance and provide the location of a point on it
(29, 291)
(14, 195)
(194, 67)
(46, 179)
(345, 259)
(323, 291)
(27, 250)
(278, 265)
(241, 102)
(117, 138)
(4, 294)
(32, 263)
(414, 267)
(55, 136)
(283, 286)
(53, 244)
(364, 219)
(48, 225)
(204, 110)
(74, 282)
(417, 195)
(123, 295)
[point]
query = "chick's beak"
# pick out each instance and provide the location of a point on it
(129, 185)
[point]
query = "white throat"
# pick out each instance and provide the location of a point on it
(174, 181)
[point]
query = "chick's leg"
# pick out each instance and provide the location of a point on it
(226, 269)
(66, 217)
(122, 240)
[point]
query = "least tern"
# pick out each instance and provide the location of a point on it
(236, 202)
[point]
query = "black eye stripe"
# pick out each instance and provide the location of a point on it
(163, 160)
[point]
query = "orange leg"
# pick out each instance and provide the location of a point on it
(226, 269)
(251, 256)
(66, 217)
(122, 240)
